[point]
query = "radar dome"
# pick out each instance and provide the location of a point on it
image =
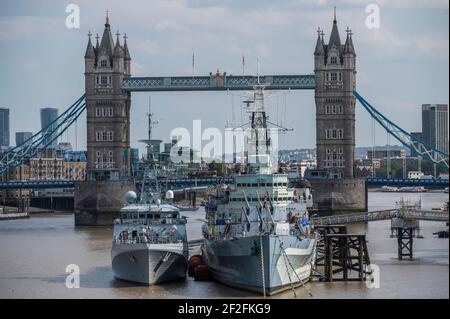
(169, 194)
(131, 197)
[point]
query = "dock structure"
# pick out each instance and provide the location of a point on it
(345, 253)
(404, 225)
(340, 253)
(322, 231)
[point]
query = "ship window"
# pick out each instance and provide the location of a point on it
(149, 216)
(157, 216)
(141, 216)
(254, 185)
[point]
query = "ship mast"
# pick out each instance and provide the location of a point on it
(149, 146)
(259, 142)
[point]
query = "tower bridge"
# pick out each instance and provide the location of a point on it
(107, 101)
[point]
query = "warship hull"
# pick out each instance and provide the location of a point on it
(149, 264)
(239, 262)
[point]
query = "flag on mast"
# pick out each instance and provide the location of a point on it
(243, 65)
(193, 63)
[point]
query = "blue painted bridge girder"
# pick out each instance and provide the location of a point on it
(36, 184)
(218, 82)
(431, 182)
(170, 183)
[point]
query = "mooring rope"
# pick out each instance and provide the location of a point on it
(298, 277)
(262, 266)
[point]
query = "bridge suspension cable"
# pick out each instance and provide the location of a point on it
(43, 138)
(413, 143)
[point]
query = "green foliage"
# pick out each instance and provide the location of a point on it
(221, 169)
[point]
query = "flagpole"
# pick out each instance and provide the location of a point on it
(193, 64)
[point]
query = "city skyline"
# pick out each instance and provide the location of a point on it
(406, 58)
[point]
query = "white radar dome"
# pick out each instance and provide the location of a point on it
(169, 194)
(131, 197)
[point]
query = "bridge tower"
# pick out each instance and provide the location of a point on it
(108, 107)
(334, 185)
(99, 199)
(335, 74)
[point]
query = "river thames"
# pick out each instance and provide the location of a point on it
(35, 252)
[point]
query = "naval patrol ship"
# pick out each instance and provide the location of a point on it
(150, 242)
(256, 234)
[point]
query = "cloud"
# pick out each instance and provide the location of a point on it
(412, 4)
(148, 47)
(26, 27)
(424, 4)
(387, 43)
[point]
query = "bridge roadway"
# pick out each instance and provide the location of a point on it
(180, 183)
(411, 214)
(173, 183)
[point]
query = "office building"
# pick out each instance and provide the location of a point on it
(48, 116)
(4, 127)
(435, 126)
(21, 137)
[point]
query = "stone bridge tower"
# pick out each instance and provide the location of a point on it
(108, 107)
(335, 74)
(99, 199)
(334, 185)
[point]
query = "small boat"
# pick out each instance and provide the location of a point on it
(389, 189)
(442, 234)
(413, 189)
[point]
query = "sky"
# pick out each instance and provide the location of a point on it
(400, 65)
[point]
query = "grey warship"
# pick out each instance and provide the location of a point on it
(256, 234)
(150, 242)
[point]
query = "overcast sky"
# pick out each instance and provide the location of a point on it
(401, 65)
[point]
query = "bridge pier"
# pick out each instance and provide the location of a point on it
(97, 203)
(339, 195)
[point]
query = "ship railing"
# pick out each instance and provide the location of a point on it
(150, 221)
(150, 240)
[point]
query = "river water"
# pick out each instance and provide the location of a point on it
(34, 254)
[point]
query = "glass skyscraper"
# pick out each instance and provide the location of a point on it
(21, 137)
(435, 126)
(48, 115)
(4, 127)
